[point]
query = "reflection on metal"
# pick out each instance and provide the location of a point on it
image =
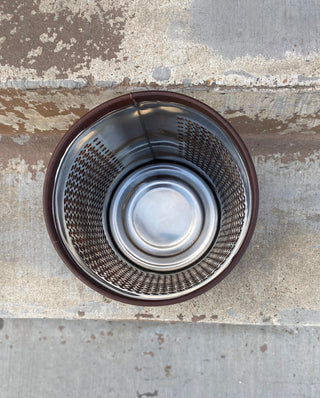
(155, 204)
(162, 217)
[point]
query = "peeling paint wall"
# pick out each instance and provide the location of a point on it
(277, 280)
(263, 53)
(187, 42)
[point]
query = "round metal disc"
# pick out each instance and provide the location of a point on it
(162, 217)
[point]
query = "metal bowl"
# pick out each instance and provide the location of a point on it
(151, 198)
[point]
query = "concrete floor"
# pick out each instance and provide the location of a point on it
(58, 358)
(255, 63)
(277, 280)
(268, 43)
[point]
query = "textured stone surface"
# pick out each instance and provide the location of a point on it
(277, 280)
(194, 46)
(57, 358)
(209, 42)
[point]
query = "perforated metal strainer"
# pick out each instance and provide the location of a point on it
(151, 198)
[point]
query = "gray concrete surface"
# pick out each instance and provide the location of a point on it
(58, 358)
(257, 333)
(267, 28)
(276, 282)
(202, 42)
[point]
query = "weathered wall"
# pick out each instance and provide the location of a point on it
(277, 280)
(255, 62)
(208, 42)
(189, 46)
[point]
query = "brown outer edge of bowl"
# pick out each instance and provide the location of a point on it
(94, 115)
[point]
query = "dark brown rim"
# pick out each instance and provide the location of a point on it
(94, 115)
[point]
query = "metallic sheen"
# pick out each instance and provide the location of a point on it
(135, 214)
(162, 217)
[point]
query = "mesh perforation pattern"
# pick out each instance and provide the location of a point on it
(87, 184)
(89, 176)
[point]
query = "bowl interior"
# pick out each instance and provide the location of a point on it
(153, 200)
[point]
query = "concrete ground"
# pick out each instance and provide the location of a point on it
(256, 334)
(59, 358)
(267, 43)
(276, 281)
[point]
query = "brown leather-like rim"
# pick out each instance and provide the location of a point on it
(94, 115)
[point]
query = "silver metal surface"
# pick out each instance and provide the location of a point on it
(99, 159)
(163, 217)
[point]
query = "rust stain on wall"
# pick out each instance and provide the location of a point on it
(295, 143)
(61, 39)
(197, 318)
(39, 111)
(264, 348)
(35, 150)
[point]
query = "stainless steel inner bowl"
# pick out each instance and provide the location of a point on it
(151, 198)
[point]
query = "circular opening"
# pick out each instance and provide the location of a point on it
(151, 198)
